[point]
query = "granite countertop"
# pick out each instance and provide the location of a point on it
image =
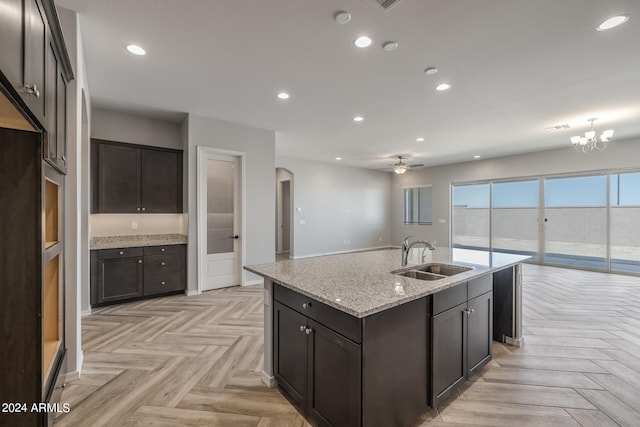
(113, 242)
(362, 284)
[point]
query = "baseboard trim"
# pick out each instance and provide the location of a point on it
(191, 293)
(516, 342)
(373, 248)
(254, 282)
(85, 312)
(269, 380)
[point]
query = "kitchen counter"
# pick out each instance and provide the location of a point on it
(113, 242)
(362, 284)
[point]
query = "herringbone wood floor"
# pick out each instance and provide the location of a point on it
(197, 361)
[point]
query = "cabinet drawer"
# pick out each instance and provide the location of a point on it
(449, 298)
(480, 286)
(119, 253)
(339, 321)
(160, 283)
(162, 264)
(164, 250)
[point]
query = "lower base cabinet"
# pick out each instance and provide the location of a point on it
(124, 274)
(462, 332)
(340, 370)
(318, 368)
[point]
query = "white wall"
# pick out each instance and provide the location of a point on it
(76, 195)
(338, 203)
(259, 148)
(619, 154)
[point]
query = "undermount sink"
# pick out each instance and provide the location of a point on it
(442, 269)
(432, 271)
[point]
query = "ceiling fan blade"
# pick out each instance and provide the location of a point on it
(418, 165)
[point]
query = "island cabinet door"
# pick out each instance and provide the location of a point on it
(290, 353)
(480, 311)
(334, 378)
(449, 351)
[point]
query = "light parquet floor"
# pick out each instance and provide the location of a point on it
(197, 361)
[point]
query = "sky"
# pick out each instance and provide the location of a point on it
(559, 192)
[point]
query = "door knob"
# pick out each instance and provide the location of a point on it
(234, 237)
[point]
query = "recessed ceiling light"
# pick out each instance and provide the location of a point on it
(342, 17)
(136, 50)
(420, 139)
(476, 156)
(283, 95)
(358, 118)
(390, 46)
(443, 86)
(338, 158)
(612, 22)
(363, 41)
(431, 71)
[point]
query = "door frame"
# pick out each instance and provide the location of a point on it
(203, 154)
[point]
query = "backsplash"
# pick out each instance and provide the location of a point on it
(101, 225)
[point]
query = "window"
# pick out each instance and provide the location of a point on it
(417, 205)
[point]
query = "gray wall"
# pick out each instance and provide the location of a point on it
(125, 127)
(260, 174)
(620, 154)
(338, 204)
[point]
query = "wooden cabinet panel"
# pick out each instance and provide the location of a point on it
(335, 383)
(449, 358)
(160, 283)
(119, 279)
(116, 186)
(129, 178)
(161, 181)
(11, 41)
(480, 331)
(35, 51)
(290, 359)
(61, 118)
(162, 264)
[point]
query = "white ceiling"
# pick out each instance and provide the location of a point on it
(516, 66)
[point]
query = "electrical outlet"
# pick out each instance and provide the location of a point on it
(134, 225)
(302, 222)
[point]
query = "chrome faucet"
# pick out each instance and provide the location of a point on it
(406, 246)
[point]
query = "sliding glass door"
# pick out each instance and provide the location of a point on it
(625, 222)
(514, 217)
(471, 223)
(575, 221)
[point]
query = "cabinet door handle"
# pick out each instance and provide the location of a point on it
(306, 305)
(162, 283)
(307, 331)
(302, 328)
(138, 209)
(144, 209)
(139, 261)
(162, 263)
(162, 250)
(32, 90)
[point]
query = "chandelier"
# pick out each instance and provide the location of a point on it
(590, 141)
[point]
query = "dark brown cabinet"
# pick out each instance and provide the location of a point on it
(34, 91)
(129, 178)
(11, 46)
(126, 274)
(118, 274)
(55, 138)
(319, 368)
(462, 331)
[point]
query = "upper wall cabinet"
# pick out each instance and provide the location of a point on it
(36, 67)
(130, 178)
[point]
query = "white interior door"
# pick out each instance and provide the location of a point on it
(221, 185)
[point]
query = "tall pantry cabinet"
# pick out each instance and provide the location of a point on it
(34, 72)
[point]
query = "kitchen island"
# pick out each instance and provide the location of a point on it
(353, 339)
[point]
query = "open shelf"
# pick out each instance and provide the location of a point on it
(51, 213)
(52, 314)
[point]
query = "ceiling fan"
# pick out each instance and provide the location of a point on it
(401, 165)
